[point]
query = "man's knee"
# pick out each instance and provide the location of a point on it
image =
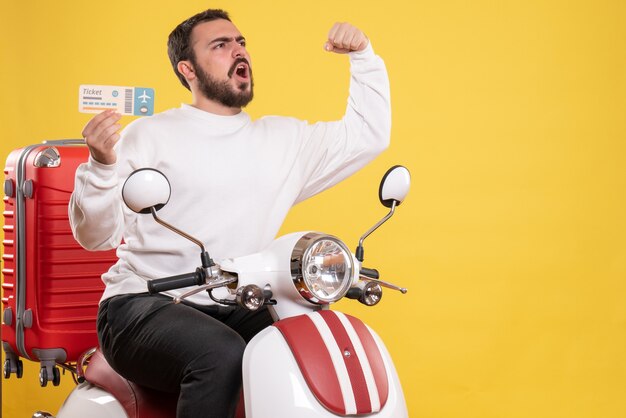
(222, 360)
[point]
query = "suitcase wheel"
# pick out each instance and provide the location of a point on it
(13, 366)
(56, 376)
(43, 376)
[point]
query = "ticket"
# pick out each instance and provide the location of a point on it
(137, 101)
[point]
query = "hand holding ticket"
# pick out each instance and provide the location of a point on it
(101, 134)
(136, 101)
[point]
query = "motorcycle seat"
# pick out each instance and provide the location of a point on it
(137, 401)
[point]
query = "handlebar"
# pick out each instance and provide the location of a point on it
(354, 293)
(357, 292)
(196, 278)
(371, 273)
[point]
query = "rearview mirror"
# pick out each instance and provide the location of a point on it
(145, 189)
(394, 186)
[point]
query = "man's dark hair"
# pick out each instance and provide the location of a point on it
(178, 47)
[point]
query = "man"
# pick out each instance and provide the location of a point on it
(233, 181)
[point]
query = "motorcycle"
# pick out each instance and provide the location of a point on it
(313, 362)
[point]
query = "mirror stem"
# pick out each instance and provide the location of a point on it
(206, 260)
(359, 250)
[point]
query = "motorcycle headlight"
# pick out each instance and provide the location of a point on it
(321, 268)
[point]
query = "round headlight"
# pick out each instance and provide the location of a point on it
(321, 268)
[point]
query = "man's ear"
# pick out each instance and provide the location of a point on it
(187, 70)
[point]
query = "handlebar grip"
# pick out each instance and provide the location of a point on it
(371, 273)
(354, 293)
(176, 282)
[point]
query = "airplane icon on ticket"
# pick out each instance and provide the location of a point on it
(144, 97)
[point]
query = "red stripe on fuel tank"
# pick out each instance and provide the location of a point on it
(315, 363)
(374, 357)
(351, 360)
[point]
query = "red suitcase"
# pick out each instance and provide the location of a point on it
(51, 285)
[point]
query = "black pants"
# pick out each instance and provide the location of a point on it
(191, 349)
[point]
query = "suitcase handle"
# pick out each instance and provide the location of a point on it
(64, 142)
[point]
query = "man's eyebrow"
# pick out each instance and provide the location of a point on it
(227, 39)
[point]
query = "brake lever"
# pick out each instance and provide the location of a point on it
(223, 279)
(383, 283)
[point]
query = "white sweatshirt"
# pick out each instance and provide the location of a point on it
(233, 180)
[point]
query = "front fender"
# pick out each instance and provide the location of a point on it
(275, 386)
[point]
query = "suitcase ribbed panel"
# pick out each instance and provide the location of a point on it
(73, 285)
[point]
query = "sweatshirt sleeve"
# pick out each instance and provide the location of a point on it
(332, 151)
(95, 211)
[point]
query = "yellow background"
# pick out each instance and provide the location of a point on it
(511, 116)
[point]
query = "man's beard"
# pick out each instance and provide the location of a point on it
(221, 91)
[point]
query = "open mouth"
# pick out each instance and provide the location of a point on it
(241, 69)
